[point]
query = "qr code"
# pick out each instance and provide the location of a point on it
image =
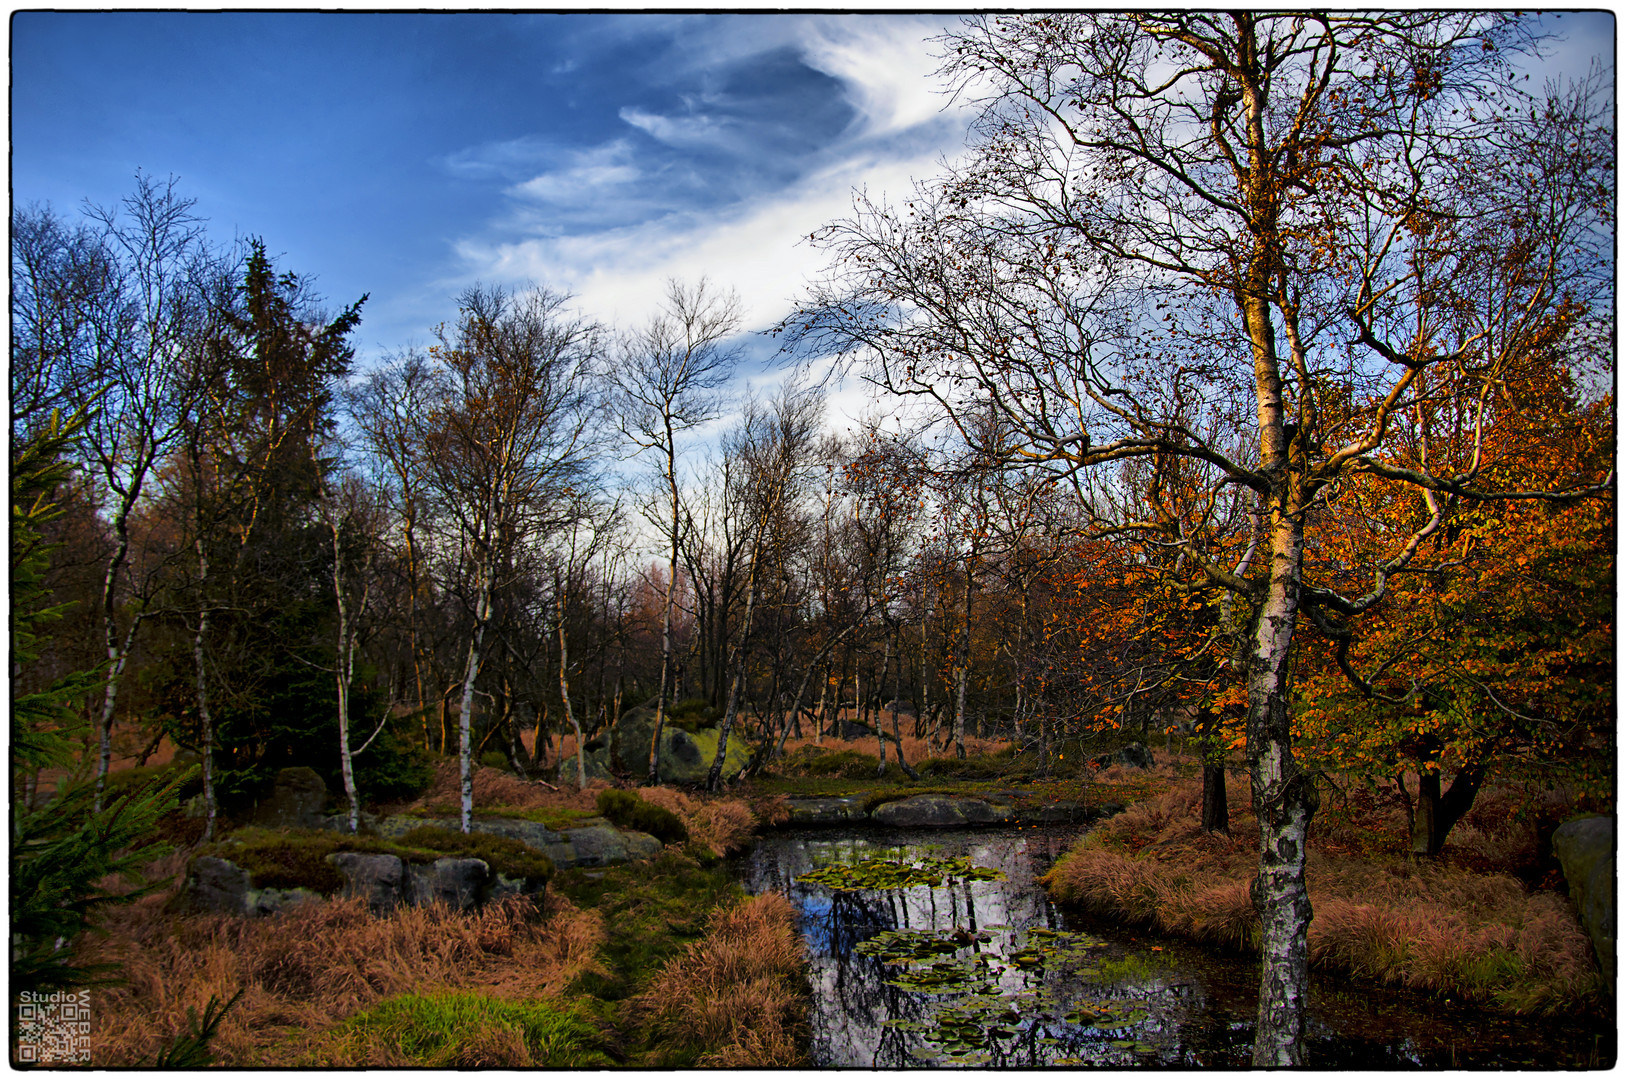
(53, 1028)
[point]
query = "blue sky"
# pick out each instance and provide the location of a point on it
(407, 156)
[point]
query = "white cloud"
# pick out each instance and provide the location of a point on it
(756, 245)
(682, 131)
(588, 176)
(884, 66)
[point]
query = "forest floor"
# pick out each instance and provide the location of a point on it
(667, 964)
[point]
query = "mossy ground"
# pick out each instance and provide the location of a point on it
(298, 858)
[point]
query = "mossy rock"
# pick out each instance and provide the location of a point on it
(504, 854)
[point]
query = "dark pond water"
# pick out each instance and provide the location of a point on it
(989, 973)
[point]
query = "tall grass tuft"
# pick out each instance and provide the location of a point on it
(719, 825)
(733, 997)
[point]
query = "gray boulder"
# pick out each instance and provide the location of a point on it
(263, 902)
(1586, 849)
(295, 801)
(939, 811)
(598, 843)
(596, 760)
(460, 884)
(214, 885)
(1135, 756)
(378, 879)
(685, 757)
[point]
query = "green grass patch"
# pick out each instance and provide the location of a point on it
(651, 911)
(629, 811)
(465, 1030)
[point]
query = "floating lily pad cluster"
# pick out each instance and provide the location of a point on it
(975, 1022)
(899, 872)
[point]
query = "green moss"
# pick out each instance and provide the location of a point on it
(693, 715)
(442, 1031)
(848, 764)
(629, 811)
(297, 858)
(557, 818)
(503, 854)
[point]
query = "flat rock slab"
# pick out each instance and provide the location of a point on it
(592, 842)
(938, 811)
(941, 812)
(832, 811)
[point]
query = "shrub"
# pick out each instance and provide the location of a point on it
(494, 759)
(716, 826)
(629, 811)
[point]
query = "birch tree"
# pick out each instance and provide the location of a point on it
(511, 430)
(1272, 218)
(669, 377)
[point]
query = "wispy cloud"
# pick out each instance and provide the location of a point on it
(715, 181)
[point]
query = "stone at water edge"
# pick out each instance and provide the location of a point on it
(939, 811)
(1586, 849)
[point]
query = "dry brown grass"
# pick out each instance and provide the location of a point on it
(307, 969)
(915, 750)
(497, 787)
(1440, 927)
(735, 991)
(722, 825)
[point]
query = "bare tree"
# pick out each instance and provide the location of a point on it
(140, 302)
(509, 435)
(669, 377)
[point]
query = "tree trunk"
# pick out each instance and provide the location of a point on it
(471, 671)
(1284, 799)
(714, 778)
(1216, 808)
(897, 733)
(963, 671)
(880, 739)
(117, 656)
(206, 726)
(1216, 811)
(564, 690)
(1436, 814)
